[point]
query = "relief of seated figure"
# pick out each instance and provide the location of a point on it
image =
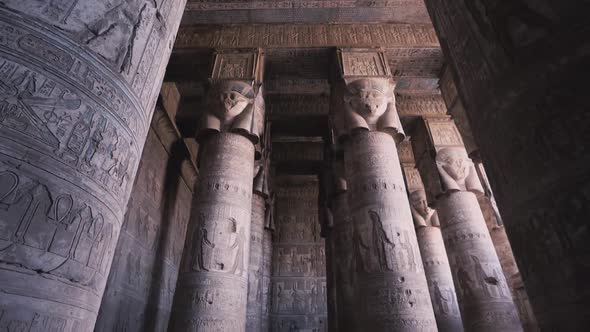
(457, 171)
(369, 104)
(233, 106)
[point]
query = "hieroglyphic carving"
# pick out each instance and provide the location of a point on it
(299, 294)
(420, 105)
(73, 124)
(267, 36)
(52, 233)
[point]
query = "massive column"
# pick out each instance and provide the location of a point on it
(266, 275)
(391, 292)
(342, 254)
(255, 269)
(211, 293)
(432, 248)
(488, 205)
(451, 186)
(79, 82)
(520, 68)
(140, 288)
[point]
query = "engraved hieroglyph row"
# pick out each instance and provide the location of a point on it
(72, 128)
(213, 281)
(305, 35)
(286, 4)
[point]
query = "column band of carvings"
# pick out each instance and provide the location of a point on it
(318, 35)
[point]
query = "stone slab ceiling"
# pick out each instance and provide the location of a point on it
(304, 11)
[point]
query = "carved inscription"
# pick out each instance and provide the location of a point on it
(306, 36)
(298, 284)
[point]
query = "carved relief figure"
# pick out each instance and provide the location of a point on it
(233, 107)
(456, 170)
(369, 104)
(220, 248)
(423, 215)
(444, 300)
(375, 248)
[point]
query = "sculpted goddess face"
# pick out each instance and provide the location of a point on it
(418, 201)
(230, 100)
(455, 163)
(370, 103)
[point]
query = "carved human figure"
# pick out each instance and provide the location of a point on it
(369, 104)
(423, 215)
(456, 170)
(233, 107)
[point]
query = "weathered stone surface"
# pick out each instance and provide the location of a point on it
(142, 280)
(485, 299)
(77, 100)
(255, 269)
(213, 281)
(391, 292)
(299, 293)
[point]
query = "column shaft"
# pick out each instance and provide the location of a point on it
(266, 274)
(254, 307)
(211, 294)
(391, 290)
(440, 279)
(75, 110)
(343, 264)
(484, 296)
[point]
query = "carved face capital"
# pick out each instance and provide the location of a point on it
(229, 99)
(419, 203)
(369, 98)
(454, 162)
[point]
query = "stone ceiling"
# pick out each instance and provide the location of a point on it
(305, 11)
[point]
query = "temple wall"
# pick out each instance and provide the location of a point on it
(142, 280)
(298, 282)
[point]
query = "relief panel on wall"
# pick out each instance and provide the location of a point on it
(298, 282)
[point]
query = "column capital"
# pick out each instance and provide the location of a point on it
(234, 100)
(442, 159)
(363, 94)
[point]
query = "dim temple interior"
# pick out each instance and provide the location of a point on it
(294, 165)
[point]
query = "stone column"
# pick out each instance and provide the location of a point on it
(79, 82)
(254, 306)
(532, 131)
(488, 205)
(259, 203)
(432, 248)
(391, 292)
(266, 275)
(211, 293)
(451, 185)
